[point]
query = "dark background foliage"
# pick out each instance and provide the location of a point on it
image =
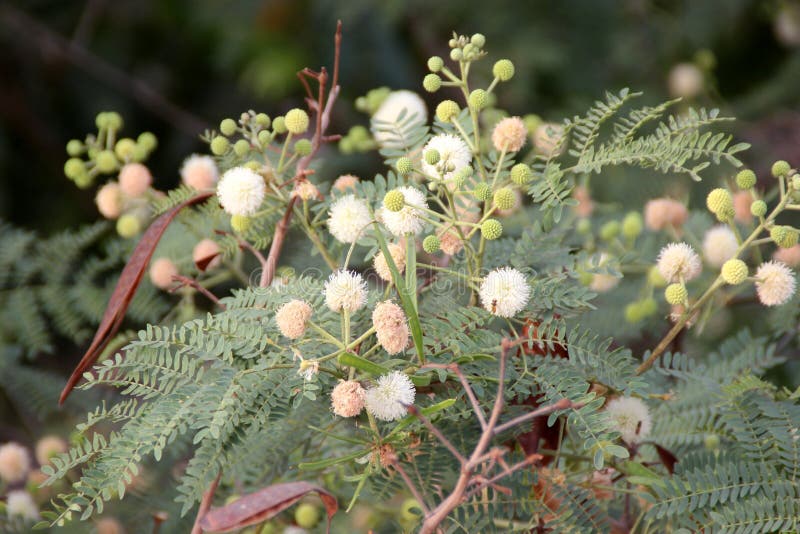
(177, 66)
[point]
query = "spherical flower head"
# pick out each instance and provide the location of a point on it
(504, 292)
(305, 190)
(654, 277)
(206, 255)
(780, 168)
(450, 242)
(347, 398)
(775, 283)
(161, 272)
(509, 135)
(15, 462)
(105, 161)
(296, 121)
(387, 400)
(521, 174)
(632, 225)
(447, 110)
(734, 271)
(784, 236)
(241, 223)
(109, 200)
(134, 179)
(200, 172)
(394, 200)
(409, 219)
(345, 182)
(478, 99)
(678, 262)
(790, 256)
(19, 503)
(516, 202)
(398, 254)
(454, 156)
(431, 244)
(49, 446)
(129, 225)
(432, 82)
(219, 145)
(491, 229)
(719, 201)
(404, 166)
(685, 80)
(719, 245)
(746, 179)
(416, 113)
(503, 70)
(241, 191)
(109, 525)
(548, 139)
(391, 327)
(610, 230)
(662, 212)
(293, 317)
(631, 418)
(676, 294)
(349, 216)
(742, 201)
(435, 63)
(345, 291)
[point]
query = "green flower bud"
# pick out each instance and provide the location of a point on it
(404, 166)
(240, 223)
(219, 145)
(306, 515)
(648, 306)
(74, 167)
(503, 70)
(432, 83)
(125, 148)
(241, 148)
(784, 236)
(394, 200)
(478, 40)
(227, 127)
(410, 511)
(460, 178)
(431, 244)
(734, 271)
(584, 227)
(726, 216)
(521, 174)
(253, 165)
(83, 180)
(676, 294)
(106, 161)
(632, 225)
(456, 54)
(610, 230)
(746, 179)
(432, 156)
(262, 119)
(585, 278)
(719, 201)
(147, 141)
(128, 226)
(101, 120)
(114, 120)
(758, 208)
(302, 147)
(504, 198)
(296, 121)
(346, 145)
(139, 153)
(359, 133)
(470, 51)
(780, 168)
(478, 99)
(796, 182)
(446, 110)
(491, 229)
(74, 148)
(633, 312)
(279, 125)
(654, 277)
(532, 122)
(482, 191)
(435, 63)
(264, 137)
(711, 442)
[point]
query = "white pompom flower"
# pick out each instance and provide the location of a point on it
(241, 191)
(719, 245)
(631, 418)
(349, 216)
(409, 219)
(505, 292)
(678, 262)
(19, 503)
(454, 155)
(416, 113)
(345, 291)
(775, 283)
(199, 172)
(15, 462)
(388, 399)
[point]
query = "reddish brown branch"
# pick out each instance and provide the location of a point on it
(205, 504)
(185, 281)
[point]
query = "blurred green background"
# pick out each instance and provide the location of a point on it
(177, 66)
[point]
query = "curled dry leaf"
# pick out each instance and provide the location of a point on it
(264, 504)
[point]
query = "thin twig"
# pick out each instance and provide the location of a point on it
(205, 504)
(191, 282)
(411, 486)
(476, 407)
(436, 432)
(562, 404)
(504, 473)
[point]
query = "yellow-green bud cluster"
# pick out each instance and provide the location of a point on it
(128, 225)
(219, 145)
(478, 99)
(446, 110)
(435, 63)
(279, 125)
(431, 244)
(404, 166)
(356, 140)
(227, 127)
(521, 174)
(654, 277)
(503, 70)
(758, 208)
(306, 515)
(467, 48)
(632, 225)
(491, 229)
(746, 179)
(296, 121)
(394, 200)
(734, 271)
(482, 191)
(676, 294)
(432, 156)
(432, 83)
(610, 230)
(302, 147)
(504, 198)
(372, 100)
(460, 177)
(240, 223)
(640, 310)
(241, 148)
(784, 236)
(720, 202)
(780, 168)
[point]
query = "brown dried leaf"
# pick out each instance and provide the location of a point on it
(126, 287)
(667, 458)
(264, 504)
